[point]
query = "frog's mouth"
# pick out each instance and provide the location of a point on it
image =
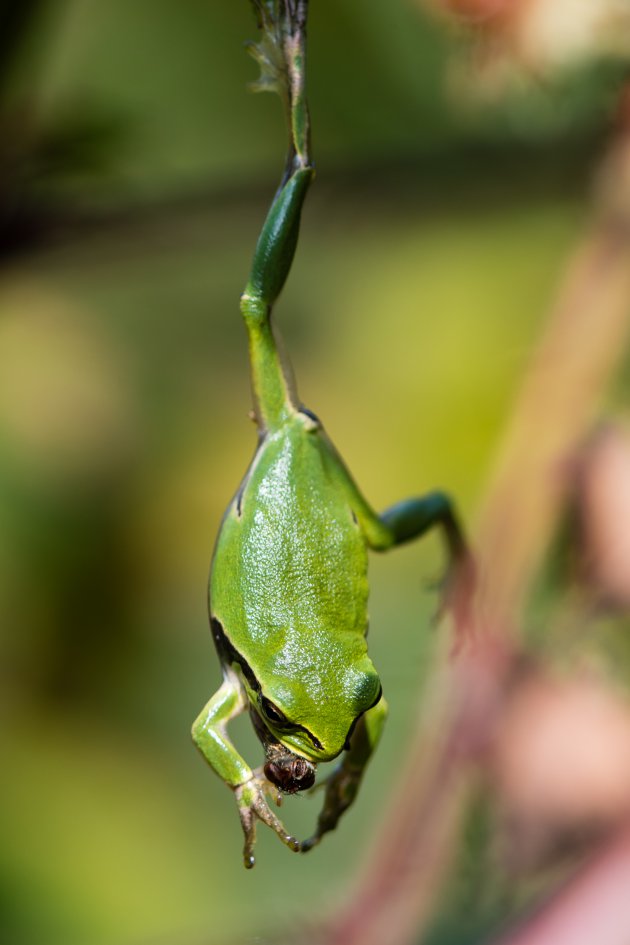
(289, 772)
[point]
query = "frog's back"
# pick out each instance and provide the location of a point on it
(293, 559)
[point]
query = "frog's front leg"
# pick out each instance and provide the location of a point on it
(343, 784)
(411, 519)
(209, 733)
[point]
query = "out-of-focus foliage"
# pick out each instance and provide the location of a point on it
(135, 171)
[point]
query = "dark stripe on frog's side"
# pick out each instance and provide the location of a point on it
(229, 654)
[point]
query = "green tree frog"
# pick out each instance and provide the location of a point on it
(288, 587)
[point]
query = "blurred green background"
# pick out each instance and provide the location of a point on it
(135, 173)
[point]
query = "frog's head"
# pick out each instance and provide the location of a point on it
(305, 701)
(307, 724)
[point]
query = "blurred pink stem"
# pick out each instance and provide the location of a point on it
(580, 348)
(593, 909)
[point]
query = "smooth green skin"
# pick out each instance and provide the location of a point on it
(289, 586)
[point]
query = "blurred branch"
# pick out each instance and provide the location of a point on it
(392, 182)
(35, 153)
(579, 350)
(17, 18)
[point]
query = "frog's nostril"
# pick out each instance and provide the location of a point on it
(291, 774)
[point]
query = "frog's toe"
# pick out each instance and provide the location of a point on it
(249, 830)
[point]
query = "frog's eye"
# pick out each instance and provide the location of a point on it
(272, 713)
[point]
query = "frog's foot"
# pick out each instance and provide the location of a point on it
(253, 805)
(457, 592)
(341, 789)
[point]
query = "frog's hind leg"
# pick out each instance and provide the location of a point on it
(275, 398)
(274, 392)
